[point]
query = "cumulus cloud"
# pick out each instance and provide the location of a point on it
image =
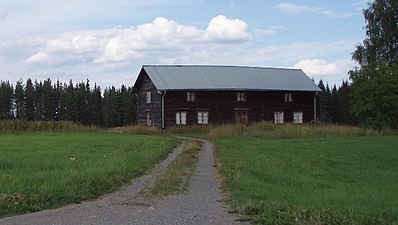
(223, 29)
(3, 12)
(121, 44)
(334, 72)
(298, 9)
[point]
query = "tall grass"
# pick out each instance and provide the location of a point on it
(18, 126)
(135, 129)
(285, 131)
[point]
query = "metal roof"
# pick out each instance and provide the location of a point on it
(205, 77)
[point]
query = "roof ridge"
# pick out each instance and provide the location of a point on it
(208, 65)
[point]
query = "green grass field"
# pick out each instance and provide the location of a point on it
(334, 180)
(46, 170)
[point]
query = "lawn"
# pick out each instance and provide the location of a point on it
(47, 170)
(334, 180)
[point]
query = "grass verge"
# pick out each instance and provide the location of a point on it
(47, 170)
(321, 180)
(177, 177)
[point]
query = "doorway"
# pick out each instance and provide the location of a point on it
(241, 117)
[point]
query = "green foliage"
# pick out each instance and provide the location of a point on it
(333, 105)
(47, 170)
(335, 180)
(6, 92)
(48, 101)
(374, 95)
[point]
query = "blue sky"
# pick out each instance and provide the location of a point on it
(108, 41)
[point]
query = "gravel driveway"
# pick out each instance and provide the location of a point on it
(202, 204)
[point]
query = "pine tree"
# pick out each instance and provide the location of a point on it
(29, 100)
(19, 100)
(6, 95)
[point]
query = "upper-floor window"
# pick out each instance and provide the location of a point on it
(288, 97)
(297, 117)
(181, 118)
(241, 97)
(148, 97)
(190, 96)
(278, 117)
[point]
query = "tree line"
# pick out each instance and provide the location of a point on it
(47, 100)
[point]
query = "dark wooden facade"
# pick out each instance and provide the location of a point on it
(222, 106)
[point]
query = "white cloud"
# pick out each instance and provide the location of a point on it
(160, 37)
(223, 29)
(298, 9)
(39, 57)
(333, 72)
(317, 67)
(3, 13)
(261, 33)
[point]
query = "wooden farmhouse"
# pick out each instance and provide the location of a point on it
(184, 95)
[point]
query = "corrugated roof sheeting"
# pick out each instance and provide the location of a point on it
(201, 77)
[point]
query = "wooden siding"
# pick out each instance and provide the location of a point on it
(222, 106)
(143, 107)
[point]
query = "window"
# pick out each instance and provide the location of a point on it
(297, 117)
(148, 118)
(203, 117)
(278, 117)
(181, 118)
(288, 97)
(148, 97)
(190, 96)
(241, 97)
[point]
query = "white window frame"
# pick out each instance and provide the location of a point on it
(190, 96)
(278, 117)
(241, 96)
(203, 117)
(288, 97)
(148, 118)
(148, 97)
(298, 117)
(181, 118)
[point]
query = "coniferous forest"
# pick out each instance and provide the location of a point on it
(89, 105)
(78, 102)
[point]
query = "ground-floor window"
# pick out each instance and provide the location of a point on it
(297, 117)
(148, 118)
(181, 118)
(278, 117)
(203, 117)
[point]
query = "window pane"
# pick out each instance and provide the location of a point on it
(148, 97)
(200, 117)
(178, 120)
(205, 117)
(183, 118)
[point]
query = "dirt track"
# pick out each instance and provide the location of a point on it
(202, 204)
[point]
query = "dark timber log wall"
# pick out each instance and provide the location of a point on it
(222, 105)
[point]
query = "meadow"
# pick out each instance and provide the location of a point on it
(49, 169)
(309, 174)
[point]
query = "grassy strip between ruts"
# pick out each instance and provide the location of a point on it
(177, 177)
(334, 180)
(47, 170)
